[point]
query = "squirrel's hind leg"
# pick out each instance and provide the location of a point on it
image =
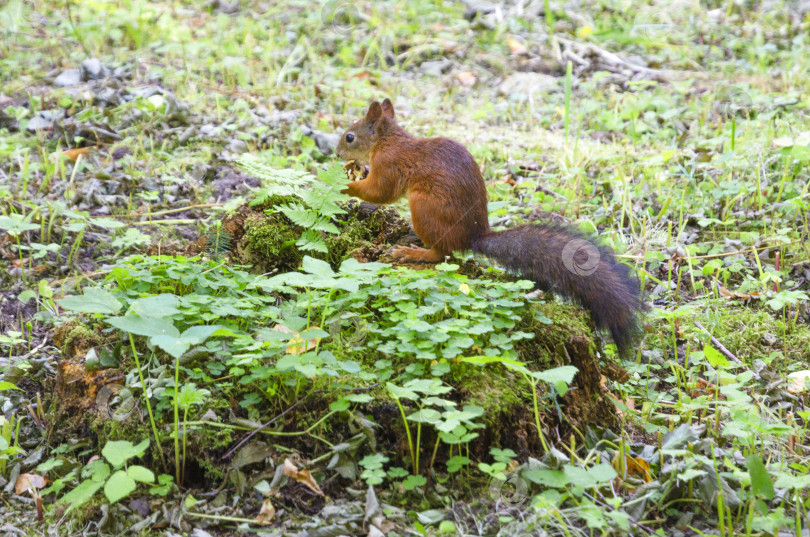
(414, 254)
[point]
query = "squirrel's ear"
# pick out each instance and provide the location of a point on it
(374, 112)
(388, 108)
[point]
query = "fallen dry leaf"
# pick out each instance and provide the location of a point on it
(266, 513)
(25, 261)
(302, 476)
(29, 483)
(723, 291)
(74, 154)
(362, 75)
(703, 387)
(296, 345)
(634, 466)
(508, 179)
(466, 79)
(516, 47)
(281, 328)
(797, 381)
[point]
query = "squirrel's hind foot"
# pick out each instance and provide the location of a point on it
(414, 254)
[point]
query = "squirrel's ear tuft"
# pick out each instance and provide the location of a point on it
(388, 108)
(374, 111)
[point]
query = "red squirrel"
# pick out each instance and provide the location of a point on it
(448, 201)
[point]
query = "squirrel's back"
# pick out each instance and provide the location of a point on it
(446, 191)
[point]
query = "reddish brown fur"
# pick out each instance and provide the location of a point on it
(448, 202)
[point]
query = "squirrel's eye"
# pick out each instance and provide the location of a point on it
(349, 137)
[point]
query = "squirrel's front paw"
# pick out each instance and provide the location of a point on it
(354, 171)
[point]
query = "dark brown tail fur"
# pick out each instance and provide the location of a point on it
(559, 259)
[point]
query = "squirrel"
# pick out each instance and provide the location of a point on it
(448, 202)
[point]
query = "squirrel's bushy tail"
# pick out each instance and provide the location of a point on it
(557, 258)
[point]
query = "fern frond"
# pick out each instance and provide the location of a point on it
(275, 182)
(298, 214)
(219, 241)
(334, 175)
(312, 240)
(319, 198)
(319, 201)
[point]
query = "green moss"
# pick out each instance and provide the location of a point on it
(75, 339)
(361, 230)
(90, 510)
(759, 334)
(266, 239)
(566, 322)
(495, 389)
(498, 389)
(270, 242)
(79, 337)
(205, 441)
